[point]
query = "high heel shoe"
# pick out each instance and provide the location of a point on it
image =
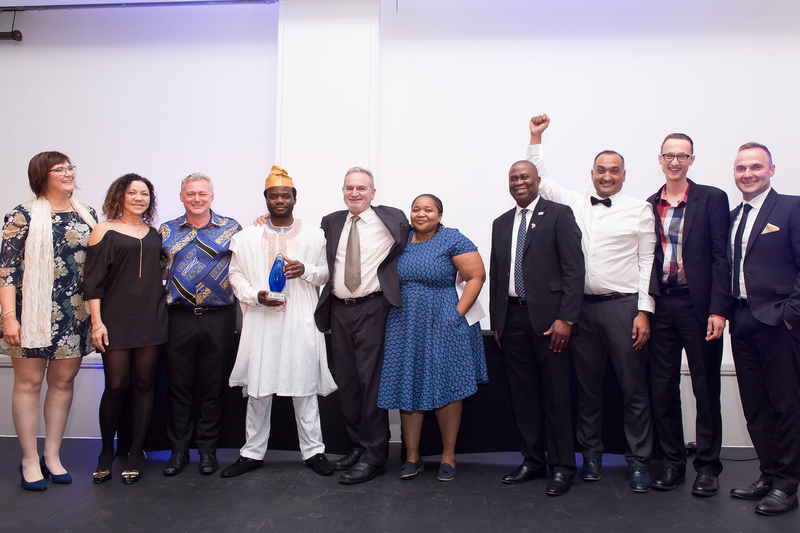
(58, 479)
(133, 471)
(103, 471)
(32, 485)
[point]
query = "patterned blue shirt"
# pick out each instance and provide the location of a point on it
(200, 277)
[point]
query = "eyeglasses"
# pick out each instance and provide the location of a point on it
(62, 171)
(683, 158)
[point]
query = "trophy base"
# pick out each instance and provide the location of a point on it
(276, 296)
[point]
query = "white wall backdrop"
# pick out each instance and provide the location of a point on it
(168, 91)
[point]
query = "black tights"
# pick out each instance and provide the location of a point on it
(124, 369)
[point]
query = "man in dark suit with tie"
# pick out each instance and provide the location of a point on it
(765, 321)
(363, 243)
(691, 285)
(536, 278)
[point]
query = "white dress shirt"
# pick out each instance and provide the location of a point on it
(756, 204)
(376, 241)
(512, 290)
(618, 242)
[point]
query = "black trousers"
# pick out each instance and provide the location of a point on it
(199, 355)
(604, 332)
(357, 335)
(674, 328)
(538, 382)
(766, 369)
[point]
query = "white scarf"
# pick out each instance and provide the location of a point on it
(37, 281)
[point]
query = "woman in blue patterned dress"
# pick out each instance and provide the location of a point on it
(433, 357)
(41, 264)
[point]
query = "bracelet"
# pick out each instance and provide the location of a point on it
(98, 327)
(8, 313)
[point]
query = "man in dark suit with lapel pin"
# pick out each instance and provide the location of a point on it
(691, 285)
(363, 243)
(536, 280)
(765, 327)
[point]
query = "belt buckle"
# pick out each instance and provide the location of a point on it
(523, 302)
(197, 311)
(350, 301)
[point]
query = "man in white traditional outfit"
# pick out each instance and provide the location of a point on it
(281, 351)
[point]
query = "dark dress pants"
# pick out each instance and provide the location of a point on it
(538, 382)
(200, 354)
(604, 332)
(766, 370)
(357, 335)
(674, 328)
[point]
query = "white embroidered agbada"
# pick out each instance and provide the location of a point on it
(281, 351)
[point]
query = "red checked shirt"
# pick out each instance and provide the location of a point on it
(671, 219)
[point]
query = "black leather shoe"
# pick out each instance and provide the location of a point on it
(558, 484)
(320, 464)
(177, 462)
(776, 502)
(668, 479)
(242, 466)
(208, 463)
(755, 491)
(347, 461)
(359, 473)
(590, 471)
(705, 485)
(523, 474)
(640, 479)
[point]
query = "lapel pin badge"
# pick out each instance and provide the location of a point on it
(533, 225)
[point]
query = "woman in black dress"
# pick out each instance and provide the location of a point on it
(122, 282)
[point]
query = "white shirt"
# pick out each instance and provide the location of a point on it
(376, 241)
(618, 242)
(512, 291)
(756, 204)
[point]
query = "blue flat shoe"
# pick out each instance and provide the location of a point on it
(58, 479)
(35, 485)
(446, 472)
(409, 469)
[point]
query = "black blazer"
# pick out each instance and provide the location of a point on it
(553, 270)
(772, 260)
(397, 224)
(705, 250)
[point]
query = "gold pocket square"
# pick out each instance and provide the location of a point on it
(769, 229)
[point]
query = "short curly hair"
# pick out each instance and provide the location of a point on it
(115, 198)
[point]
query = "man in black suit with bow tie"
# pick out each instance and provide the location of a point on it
(765, 326)
(536, 279)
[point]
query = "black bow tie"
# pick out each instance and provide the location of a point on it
(605, 201)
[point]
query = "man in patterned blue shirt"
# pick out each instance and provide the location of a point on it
(202, 319)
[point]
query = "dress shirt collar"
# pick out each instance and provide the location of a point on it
(366, 216)
(530, 207)
(758, 201)
(663, 198)
(215, 220)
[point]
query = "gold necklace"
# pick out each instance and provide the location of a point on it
(68, 208)
(136, 228)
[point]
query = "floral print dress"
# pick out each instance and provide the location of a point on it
(71, 326)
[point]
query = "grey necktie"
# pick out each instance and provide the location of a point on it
(352, 257)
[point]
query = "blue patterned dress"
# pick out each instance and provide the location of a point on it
(432, 356)
(71, 330)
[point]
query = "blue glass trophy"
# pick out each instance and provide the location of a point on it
(277, 280)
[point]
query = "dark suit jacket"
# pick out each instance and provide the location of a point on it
(772, 260)
(553, 270)
(397, 224)
(705, 250)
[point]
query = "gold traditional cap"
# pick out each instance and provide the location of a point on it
(278, 177)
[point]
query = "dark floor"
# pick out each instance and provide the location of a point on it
(286, 496)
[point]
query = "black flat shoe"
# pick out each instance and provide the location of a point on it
(347, 461)
(776, 503)
(176, 464)
(558, 484)
(320, 464)
(705, 485)
(524, 474)
(591, 468)
(755, 491)
(242, 466)
(208, 463)
(668, 479)
(103, 471)
(360, 473)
